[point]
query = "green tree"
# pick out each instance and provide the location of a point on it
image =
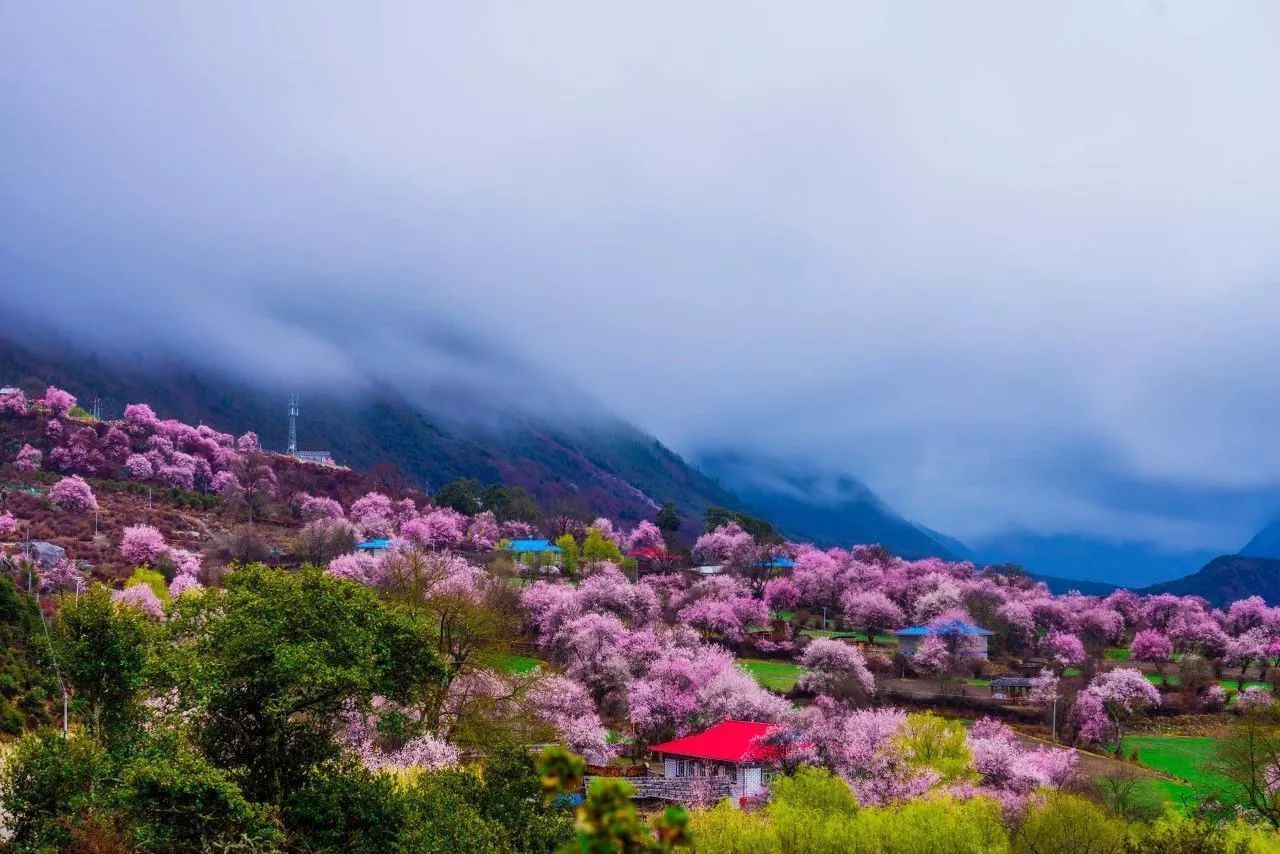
(273, 660)
(153, 578)
(48, 779)
(568, 554)
(937, 743)
(511, 503)
(103, 652)
(344, 807)
(596, 548)
(1068, 824)
(761, 529)
(464, 495)
(1246, 761)
(28, 680)
(174, 800)
(668, 518)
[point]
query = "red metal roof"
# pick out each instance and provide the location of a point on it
(728, 741)
(649, 553)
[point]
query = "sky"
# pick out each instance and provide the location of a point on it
(1013, 265)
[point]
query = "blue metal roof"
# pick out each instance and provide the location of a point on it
(374, 545)
(523, 546)
(951, 627)
(778, 563)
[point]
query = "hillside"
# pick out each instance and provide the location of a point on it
(602, 465)
(1227, 578)
(830, 510)
(1266, 543)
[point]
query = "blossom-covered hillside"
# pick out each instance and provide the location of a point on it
(597, 462)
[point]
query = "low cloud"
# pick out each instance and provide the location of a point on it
(1013, 267)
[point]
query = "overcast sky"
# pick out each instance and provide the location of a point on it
(1010, 264)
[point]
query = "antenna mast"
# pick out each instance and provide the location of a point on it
(293, 423)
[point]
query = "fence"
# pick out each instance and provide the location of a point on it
(682, 790)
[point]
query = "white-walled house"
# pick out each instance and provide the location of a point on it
(726, 760)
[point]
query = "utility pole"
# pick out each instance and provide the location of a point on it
(293, 423)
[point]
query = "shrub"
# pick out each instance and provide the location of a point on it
(177, 801)
(46, 780)
(343, 806)
(1068, 823)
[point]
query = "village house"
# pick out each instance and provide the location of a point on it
(974, 638)
(378, 547)
(726, 760)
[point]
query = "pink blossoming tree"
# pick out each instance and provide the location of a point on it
(58, 402)
(1119, 694)
(29, 460)
(837, 669)
(73, 495)
(142, 544)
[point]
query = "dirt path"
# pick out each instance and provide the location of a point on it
(1092, 765)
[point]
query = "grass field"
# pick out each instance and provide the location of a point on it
(1234, 684)
(518, 664)
(1117, 654)
(1183, 757)
(778, 676)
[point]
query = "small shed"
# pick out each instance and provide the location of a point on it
(728, 757)
(1010, 687)
(975, 638)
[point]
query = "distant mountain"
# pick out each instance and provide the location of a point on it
(814, 505)
(1227, 578)
(1266, 543)
(598, 464)
(1060, 586)
(1074, 557)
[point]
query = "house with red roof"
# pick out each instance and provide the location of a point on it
(726, 760)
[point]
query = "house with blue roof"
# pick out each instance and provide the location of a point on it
(974, 638)
(540, 555)
(379, 546)
(777, 563)
(526, 547)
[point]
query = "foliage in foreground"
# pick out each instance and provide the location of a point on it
(814, 812)
(218, 730)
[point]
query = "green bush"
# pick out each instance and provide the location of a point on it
(11, 721)
(343, 807)
(176, 801)
(47, 780)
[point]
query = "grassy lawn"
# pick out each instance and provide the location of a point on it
(1178, 756)
(1117, 654)
(777, 676)
(1234, 684)
(517, 664)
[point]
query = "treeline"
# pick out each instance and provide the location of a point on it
(219, 729)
